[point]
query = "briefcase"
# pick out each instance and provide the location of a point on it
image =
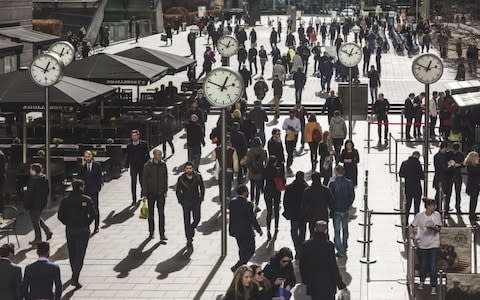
(163, 37)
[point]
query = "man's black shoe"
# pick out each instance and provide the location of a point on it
(189, 244)
(163, 238)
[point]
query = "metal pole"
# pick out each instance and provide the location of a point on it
(474, 232)
(47, 141)
(368, 137)
(350, 130)
(401, 125)
(426, 140)
(24, 133)
(416, 11)
(396, 159)
(368, 245)
(223, 182)
(390, 153)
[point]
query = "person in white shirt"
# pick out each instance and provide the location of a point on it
(433, 111)
(426, 230)
(292, 126)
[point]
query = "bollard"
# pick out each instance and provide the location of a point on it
(441, 285)
(367, 259)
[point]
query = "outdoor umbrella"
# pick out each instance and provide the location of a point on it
(174, 63)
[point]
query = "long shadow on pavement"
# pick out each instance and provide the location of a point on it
(61, 253)
(211, 225)
(135, 258)
(22, 255)
(120, 217)
(175, 263)
(264, 252)
(209, 278)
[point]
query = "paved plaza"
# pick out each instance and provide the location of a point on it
(121, 263)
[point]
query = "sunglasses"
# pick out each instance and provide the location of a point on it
(285, 261)
(259, 273)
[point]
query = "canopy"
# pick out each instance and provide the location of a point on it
(10, 46)
(28, 35)
(174, 63)
(115, 70)
(18, 92)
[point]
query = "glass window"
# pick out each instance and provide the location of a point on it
(8, 64)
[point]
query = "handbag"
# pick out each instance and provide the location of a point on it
(281, 293)
(279, 184)
(327, 163)
(144, 209)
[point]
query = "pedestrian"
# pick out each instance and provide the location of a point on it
(318, 266)
(277, 86)
(293, 210)
(374, 83)
(247, 79)
(412, 172)
(472, 58)
(275, 145)
(418, 106)
(380, 109)
(458, 48)
(409, 113)
(317, 201)
(91, 174)
(252, 59)
(273, 38)
(279, 70)
(191, 39)
(137, 31)
(11, 281)
(242, 55)
(440, 163)
(313, 136)
(242, 286)
(168, 130)
(350, 159)
(208, 61)
(239, 142)
(433, 112)
(41, 276)
(155, 187)
(426, 229)
(292, 127)
(454, 177)
(232, 166)
(35, 200)
(302, 115)
(77, 212)
(338, 133)
(260, 88)
(195, 141)
(304, 52)
(366, 59)
(137, 156)
(332, 104)
(255, 163)
(460, 70)
(378, 60)
(279, 271)
(168, 32)
(253, 37)
(299, 79)
(327, 154)
(279, 30)
(264, 287)
(273, 173)
(473, 183)
(190, 191)
(343, 194)
(242, 223)
(259, 117)
(262, 54)
(426, 40)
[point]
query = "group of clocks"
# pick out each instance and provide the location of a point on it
(47, 68)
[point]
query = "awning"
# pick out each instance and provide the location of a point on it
(468, 99)
(10, 46)
(28, 35)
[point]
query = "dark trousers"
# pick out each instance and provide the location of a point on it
(417, 126)
(134, 173)
(246, 249)
(254, 64)
(408, 127)
(158, 199)
(433, 122)
(194, 155)
(323, 296)
(77, 242)
(316, 65)
(256, 189)
(473, 205)
(37, 223)
(382, 121)
(94, 196)
(408, 205)
(272, 200)
(164, 146)
(337, 145)
(297, 231)
(305, 66)
(313, 153)
(190, 212)
(366, 65)
(457, 181)
(298, 95)
(228, 184)
(290, 146)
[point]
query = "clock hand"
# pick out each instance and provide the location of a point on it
(429, 64)
(421, 66)
(345, 52)
(350, 54)
(61, 53)
(38, 67)
(216, 84)
(228, 45)
(46, 68)
(224, 83)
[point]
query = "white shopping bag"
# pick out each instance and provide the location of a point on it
(299, 292)
(344, 295)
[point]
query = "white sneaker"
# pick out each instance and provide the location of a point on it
(434, 290)
(420, 286)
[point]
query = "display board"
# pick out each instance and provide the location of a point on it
(463, 286)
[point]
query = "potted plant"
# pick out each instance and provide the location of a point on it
(113, 120)
(110, 141)
(17, 141)
(57, 141)
(41, 153)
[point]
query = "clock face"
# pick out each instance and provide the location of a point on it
(223, 87)
(65, 50)
(227, 46)
(350, 54)
(46, 69)
(427, 68)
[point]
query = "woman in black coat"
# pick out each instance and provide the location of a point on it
(350, 159)
(263, 285)
(327, 152)
(273, 169)
(473, 182)
(279, 271)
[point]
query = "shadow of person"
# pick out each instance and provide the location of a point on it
(347, 278)
(175, 263)
(61, 253)
(22, 255)
(264, 252)
(120, 217)
(211, 225)
(212, 181)
(135, 258)
(262, 218)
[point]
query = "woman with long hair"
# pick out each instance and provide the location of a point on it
(255, 162)
(327, 154)
(280, 270)
(313, 136)
(350, 159)
(264, 287)
(242, 286)
(473, 182)
(274, 169)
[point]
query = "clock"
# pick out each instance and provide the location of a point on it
(427, 68)
(65, 50)
(223, 87)
(46, 69)
(350, 54)
(227, 45)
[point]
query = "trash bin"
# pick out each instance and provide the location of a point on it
(184, 26)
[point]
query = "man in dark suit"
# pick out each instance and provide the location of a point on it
(242, 224)
(41, 276)
(137, 156)
(77, 212)
(11, 279)
(91, 174)
(318, 266)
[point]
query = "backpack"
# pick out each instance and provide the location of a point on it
(257, 166)
(316, 135)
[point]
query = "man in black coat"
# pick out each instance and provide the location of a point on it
(91, 174)
(299, 79)
(137, 156)
(247, 79)
(332, 104)
(242, 225)
(273, 38)
(11, 279)
(454, 176)
(318, 266)
(440, 163)
(292, 210)
(77, 212)
(190, 191)
(195, 141)
(380, 109)
(275, 145)
(316, 202)
(411, 170)
(35, 200)
(409, 113)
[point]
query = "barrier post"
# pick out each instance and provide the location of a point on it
(401, 125)
(396, 160)
(475, 242)
(441, 285)
(367, 259)
(390, 153)
(368, 137)
(411, 268)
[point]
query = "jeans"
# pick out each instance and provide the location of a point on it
(297, 231)
(298, 95)
(325, 81)
(276, 100)
(272, 200)
(37, 223)
(373, 94)
(256, 188)
(262, 64)
(254, 64)
(290, 147)
(134, 173)
(188, 213)
(408, 205)
(94, 196)
(158, 199)
(246, 249)
(77, 242)
(340, 222)
(428, 263)
(194, 155)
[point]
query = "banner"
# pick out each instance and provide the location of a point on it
(463, 286)
(455, 255)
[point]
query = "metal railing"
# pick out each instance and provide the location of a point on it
(367, 226)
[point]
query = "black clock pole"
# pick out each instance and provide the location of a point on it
(350, 129)
(223, 176)
(47, 142)
(426, 141)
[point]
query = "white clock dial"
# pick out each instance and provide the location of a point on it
(223, 87)
(227, 46)
(65, 50)
(427, 68)
(350, 54)
(46, 69)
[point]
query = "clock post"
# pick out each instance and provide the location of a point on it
(426, 141)
(350, 114)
